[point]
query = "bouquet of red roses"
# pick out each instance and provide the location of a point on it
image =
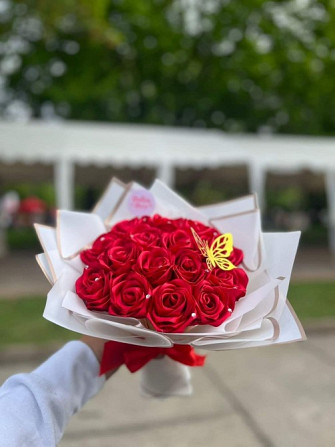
(155, 269)
(157, 277)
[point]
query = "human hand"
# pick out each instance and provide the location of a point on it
(97, 346)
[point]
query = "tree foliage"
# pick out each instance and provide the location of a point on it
(242, 65)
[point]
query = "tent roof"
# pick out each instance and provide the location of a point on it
(146, 145)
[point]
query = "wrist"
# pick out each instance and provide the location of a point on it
(97, 346)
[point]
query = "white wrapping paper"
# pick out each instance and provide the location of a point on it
(262, 317)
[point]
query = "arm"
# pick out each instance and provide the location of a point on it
(36, 407)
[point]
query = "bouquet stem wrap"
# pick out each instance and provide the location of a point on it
(162, 377)
(135, 357)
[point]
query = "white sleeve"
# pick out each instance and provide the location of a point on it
(36, 407)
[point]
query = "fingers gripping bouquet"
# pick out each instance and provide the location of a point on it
(158, 278)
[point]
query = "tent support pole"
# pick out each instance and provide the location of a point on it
(330, 190)
(64, 183)
(166, 173)
(257, 178)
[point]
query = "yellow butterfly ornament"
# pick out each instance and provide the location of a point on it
(216, 255)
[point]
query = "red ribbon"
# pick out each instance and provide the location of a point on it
(135, 357)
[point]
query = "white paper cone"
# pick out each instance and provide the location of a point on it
(161, 378)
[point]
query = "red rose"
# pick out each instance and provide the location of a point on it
(90, 256)
(182, 223)
(156, 265)
(205, 233)
(214, 305)
(234, 281)
(139, 231)
(236, 256)
(129, 296)
(178, 240)
(162, 223)
(124, 228)
(93, 287)
(151, 267)
(120, 256)
(171, 307)
(145, 236)
(190, 265)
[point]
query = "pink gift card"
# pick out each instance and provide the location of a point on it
(141, 203)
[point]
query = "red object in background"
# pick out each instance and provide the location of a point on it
(32, 205)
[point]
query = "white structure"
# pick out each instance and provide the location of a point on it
(67, 144)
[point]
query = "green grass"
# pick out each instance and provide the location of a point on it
(21, 320)
(22, 239)
(313, 300)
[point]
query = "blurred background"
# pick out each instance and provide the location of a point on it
(253, 78)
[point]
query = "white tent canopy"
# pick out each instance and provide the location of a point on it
(66, 144)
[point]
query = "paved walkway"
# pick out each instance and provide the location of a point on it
(20, 275)
(280, 396)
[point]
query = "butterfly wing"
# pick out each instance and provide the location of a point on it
(202, 245)
(220, 250)
(210, 264)
(224, 263)
(222, 245)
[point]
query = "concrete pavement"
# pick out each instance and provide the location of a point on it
(282, 396)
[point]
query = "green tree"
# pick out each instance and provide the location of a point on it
(242, 65)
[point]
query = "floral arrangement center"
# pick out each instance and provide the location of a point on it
(169, 273)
